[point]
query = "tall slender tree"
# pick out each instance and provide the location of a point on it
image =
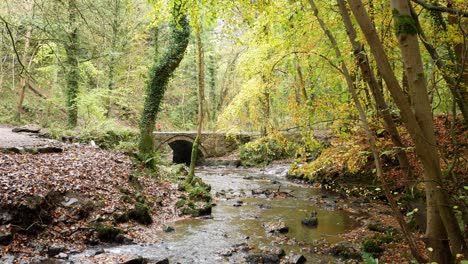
(201, 98)
(418, 120)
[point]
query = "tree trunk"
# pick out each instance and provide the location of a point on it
(115, 25)
(406, 31)
(425, 144)
(159, 77)
(201, 98)
(73, 70)
(24, 77)
(376, 90)
(460, 89)
(302, 84)
(212, 86)
(370, 137)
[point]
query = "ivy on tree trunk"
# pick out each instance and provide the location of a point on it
(73, 71)
(159, 77)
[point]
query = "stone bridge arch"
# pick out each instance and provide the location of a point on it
(181, 146)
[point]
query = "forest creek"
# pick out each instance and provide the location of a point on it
(257, 218)
(233, 131)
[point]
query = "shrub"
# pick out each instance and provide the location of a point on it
(263, 151)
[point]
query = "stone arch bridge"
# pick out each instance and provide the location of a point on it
(212, 144)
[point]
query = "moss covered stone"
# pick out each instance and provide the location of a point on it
(121, 218)
(107, 233)
(180, 203)
(141, 214)
(372, 247)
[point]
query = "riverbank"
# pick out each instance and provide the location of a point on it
(55, 204)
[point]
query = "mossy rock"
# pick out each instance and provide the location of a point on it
(180, 203)
(373, 247)
(197, 209)
(141, 214)
(345, 250)
(107, 233)
(121, 218)
(133, 180)
(179, 170)
(377, 227)
(199, 193)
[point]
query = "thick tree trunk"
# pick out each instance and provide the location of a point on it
(420, 133)
(201, 98)
(406, 31)
(159, 77)
(72, 71)
(370, 137)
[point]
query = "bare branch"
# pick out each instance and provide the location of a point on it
(7, 26)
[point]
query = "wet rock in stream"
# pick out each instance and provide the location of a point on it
(262, 258)
(168, 229)
(276, 227)
(297, 259)
(264, 206)
(270, 257)
(238, 203)
(311, 220)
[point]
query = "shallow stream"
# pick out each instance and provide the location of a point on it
(247, 199)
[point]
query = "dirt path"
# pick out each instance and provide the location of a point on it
(9, 139)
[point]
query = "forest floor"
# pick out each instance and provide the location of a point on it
(67, 200)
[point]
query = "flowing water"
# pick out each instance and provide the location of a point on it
(206, 240)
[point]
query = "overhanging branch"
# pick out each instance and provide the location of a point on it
(438, 8)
